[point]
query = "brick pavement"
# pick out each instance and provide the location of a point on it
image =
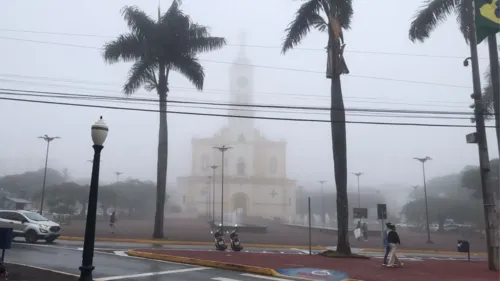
(363, 269)
(197, 229)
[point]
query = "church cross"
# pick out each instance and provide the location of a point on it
(273, 193)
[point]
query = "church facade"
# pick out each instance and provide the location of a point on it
(255, 180)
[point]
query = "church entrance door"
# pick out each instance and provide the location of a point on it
(240, 202)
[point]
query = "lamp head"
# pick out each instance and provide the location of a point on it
(99, 132)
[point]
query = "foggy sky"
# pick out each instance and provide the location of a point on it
(383, 153)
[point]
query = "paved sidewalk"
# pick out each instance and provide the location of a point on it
(362, 269)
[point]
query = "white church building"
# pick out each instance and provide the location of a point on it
(255, 180)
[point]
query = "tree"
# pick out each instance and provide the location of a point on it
(442, 208)
(429, 17)
(471, 179)
(337, 16)
(30, 182)
(171, 43)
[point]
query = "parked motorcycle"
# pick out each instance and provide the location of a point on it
(220, 244)
(235, 241)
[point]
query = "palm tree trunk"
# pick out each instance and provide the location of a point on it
(495, 83)
(339, 145)
(161, 168)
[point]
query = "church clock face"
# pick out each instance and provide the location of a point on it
(242, 82)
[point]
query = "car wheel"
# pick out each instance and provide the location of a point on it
(50, 240)
(31, 236)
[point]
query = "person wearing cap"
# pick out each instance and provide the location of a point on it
(386, 244)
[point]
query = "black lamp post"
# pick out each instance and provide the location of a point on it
(99, 134)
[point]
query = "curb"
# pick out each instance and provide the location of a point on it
(216, 264)
(377, 250)
(187, 243)
(44, 269)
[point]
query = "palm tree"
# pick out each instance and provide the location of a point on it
(336, 15)
(434, 12)
(171, 43)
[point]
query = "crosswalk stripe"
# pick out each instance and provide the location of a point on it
(265, 277)
(224, 279)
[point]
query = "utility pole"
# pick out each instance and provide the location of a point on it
(479, 137)
(222, 149)
(323, 215)
(213, 192)
(423, 160)
(118, 176)
(48, 140)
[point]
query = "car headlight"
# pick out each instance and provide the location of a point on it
(44, 226)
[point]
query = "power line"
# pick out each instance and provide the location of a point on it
(243, 45)
(261, 66)
(138, 101)
(242, 116)
(6, 91)
(220, 91)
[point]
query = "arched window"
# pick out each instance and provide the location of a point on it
(240, 167)
(241, 138)
(273, 165)
(205, 162)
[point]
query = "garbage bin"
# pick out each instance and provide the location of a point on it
(463, 246)
(5, 238)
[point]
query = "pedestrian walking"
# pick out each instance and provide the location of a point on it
(364, 230)
(112, 222)
(394, 242)
(386, 244)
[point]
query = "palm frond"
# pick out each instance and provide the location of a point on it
(128, 47)
(138, 75)
(189, 66)
(488, 104)
(301, 25)
(138, 21)
(429, 16)
(206, 44)
(342, 9)
(463, 19)
(319, 23)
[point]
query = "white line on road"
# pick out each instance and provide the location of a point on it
(265, 277)
(121, 253)
(151, 274)
(300, 250)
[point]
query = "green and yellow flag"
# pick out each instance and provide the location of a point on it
(487, 18)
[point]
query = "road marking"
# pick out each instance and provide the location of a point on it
(264, 277)
(121, 253)
(224, 279)
(301, 251)
(151, 274)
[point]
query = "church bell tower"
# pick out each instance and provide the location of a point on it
(241, 80)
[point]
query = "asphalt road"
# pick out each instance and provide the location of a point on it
(114, 267)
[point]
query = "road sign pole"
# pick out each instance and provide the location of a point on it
(309, 221)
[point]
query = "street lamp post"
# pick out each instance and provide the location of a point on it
(222, 149)
(213, 192)
(99, 133)
(359, 174)
(48, 140)
(118, 176)
(323, 215)
(423, 160)
(209, 195)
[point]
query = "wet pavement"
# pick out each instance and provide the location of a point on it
(114, 267)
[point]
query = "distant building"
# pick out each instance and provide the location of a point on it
(255, 180)
(9, 202)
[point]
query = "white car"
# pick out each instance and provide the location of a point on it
(30, 225)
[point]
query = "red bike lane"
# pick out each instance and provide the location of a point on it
(323, 268)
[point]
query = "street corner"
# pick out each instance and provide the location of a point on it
(315, 274)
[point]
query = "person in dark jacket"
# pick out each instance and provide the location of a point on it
(394, 242)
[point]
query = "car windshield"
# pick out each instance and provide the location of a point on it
(35, 217)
